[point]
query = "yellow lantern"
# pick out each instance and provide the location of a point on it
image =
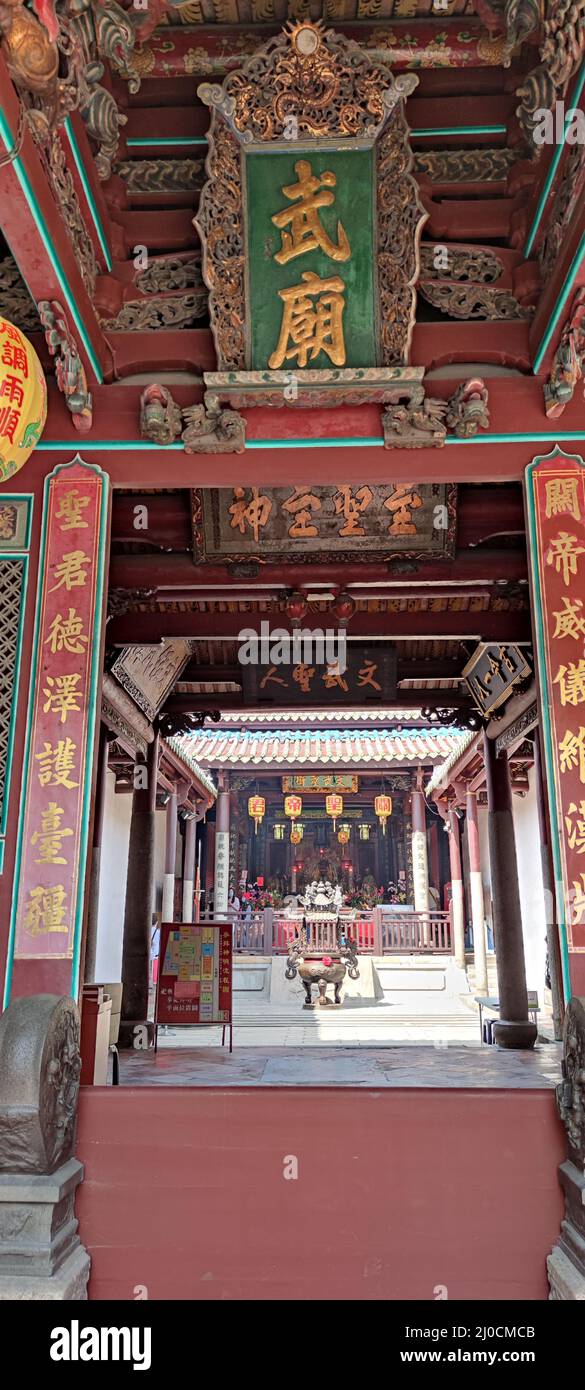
(256, 808)
(364, 831)
(383, 809)
(279, 830)
(334, 806)
(23, 399)
(293, 806)
(296, 834)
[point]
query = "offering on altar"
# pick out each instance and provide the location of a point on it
(322, 898)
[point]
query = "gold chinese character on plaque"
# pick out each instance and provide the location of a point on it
(253, 512)
(563, 553)
(350, 504)
(70, 513)
(66, 634)
(57, 763)
(62, 696)
(572, 752)
(49, 838)
(575, 823)
(301, 506)
(70, 573)
(45, 910)
(401, 504)
(312, 322)
(569, 620)
(571, 682)
(562, 498)
(310, 194)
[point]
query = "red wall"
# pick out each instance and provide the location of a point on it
(398, 1191)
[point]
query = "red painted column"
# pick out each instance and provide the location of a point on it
(140, 895)
(476, 894)
(513, 1029)
(457, 889)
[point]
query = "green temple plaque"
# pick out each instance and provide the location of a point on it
(311, 278)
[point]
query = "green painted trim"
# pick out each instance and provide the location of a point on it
(143, 446)
(164, 141)
(92, 705)
(537, 610)
(427, 132)
(89, 198)
(554, 164)
(45, 235)
(560, 303)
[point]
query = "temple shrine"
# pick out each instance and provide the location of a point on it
(292, 620)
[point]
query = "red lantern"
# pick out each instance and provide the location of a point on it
(334, 806)
(256, 808)
(383, 809)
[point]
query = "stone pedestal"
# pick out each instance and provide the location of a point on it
(41, 1256)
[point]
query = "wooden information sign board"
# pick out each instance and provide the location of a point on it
(195, 975)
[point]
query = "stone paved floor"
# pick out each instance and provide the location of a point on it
(439, 1066)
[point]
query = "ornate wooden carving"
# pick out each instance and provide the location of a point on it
(569, 360)
(561, 53)
(465, 166)
(178, 311)
(422, 422)
(465, 263)
(334, 91)
(210, 430)
(69, 369)
(161, 175)
(473, 301)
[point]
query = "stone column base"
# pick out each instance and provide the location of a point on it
(40, 1251)
(567, 1283)
(521, 1035)
(68, 1285)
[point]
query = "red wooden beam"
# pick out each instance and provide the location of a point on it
(432, 625)
(172, 572)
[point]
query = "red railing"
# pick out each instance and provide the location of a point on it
(407, 932)
(379, 932)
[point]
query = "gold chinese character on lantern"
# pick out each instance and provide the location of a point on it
(309, 194)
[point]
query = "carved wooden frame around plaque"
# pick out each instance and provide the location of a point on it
(340, 99)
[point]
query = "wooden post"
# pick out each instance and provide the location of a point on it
(513, 1028)
(140, 894)
(105, 738)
